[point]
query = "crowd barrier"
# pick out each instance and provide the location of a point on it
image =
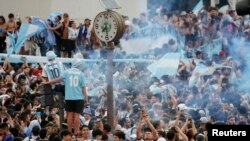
(39, 59)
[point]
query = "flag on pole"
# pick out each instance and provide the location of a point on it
(167, 65)
(198, 7)
(26, 31)
(49, 35)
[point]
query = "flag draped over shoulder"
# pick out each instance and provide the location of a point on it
(49, 35)
(26, 31)
(167, 65)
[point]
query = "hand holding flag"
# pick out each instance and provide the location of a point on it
(26, 31)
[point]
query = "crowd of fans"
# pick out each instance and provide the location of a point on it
(169, 108)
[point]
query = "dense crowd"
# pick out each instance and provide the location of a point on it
(172, 108)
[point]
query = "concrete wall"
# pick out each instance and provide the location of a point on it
(77, 9)
(80, 9)
(25, 7)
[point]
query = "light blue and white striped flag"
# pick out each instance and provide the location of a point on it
(26, 31)
(200, 70)
(49, 35)
(12, 43)
(167, 65)
(198, 7)
(52, 15)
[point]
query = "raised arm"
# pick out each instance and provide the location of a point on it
(154, 131)
(184, 137)
(183, 128)
(193, 127)
(138, 126)
(177, 117)
(7, 66)
(173, 99)
(56, 27)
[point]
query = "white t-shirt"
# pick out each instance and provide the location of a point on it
(32, 138)
(73, 33)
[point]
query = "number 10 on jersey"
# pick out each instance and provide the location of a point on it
(74, 81)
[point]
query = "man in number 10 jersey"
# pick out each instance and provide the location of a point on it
(75, 94)
(53, 69)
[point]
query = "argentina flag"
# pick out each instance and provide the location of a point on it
(11, 44)
(198, 7)
(167, 65)
(200, 70)
(52, 15)
(49, 35)
(26, 31)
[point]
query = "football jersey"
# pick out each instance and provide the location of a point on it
(53, 70)
(74, 81)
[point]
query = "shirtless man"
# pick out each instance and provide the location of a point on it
(64, 27)
(11, 23)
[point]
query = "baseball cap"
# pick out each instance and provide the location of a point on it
(229, 58)
(50, 55)
(87, 111)
(202, 113)
(183, 13)
(203, 119)
(182, 106)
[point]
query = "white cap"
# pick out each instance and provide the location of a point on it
(182, 106)
(50, 55)
(202, 113)
(203, 119)
(76, 63)
(183, 13)
(229, 57)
